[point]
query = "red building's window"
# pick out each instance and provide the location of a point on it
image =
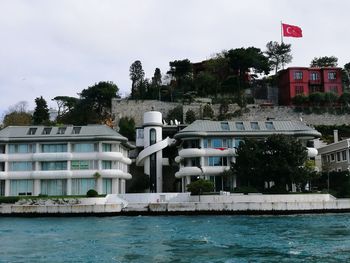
(299, 90)
(298, 75)
(332, 75)
(314, 76)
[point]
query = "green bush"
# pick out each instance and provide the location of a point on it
(200, 186)
(92, 193)
(246, 189)
(9, 199)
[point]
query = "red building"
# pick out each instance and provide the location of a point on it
(304, 81)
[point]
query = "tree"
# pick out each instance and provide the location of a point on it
(279, 159)
(208, 111)
(175, 114)
(41, 113)
(200, 186)
(181, 71)
(330, 98)
(299, 100)
(17, 115)
(127, 128)
(157, 83)
(190, 116)
(136, 75)
(323, 62)
(278, 54)
(65, 104)
(99, 98)
(316, 98)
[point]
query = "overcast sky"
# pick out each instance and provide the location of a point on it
(59, 47)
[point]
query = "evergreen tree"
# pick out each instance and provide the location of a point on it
(41, 113)
(278, 54)
(136, 75)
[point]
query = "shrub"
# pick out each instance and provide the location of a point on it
(9, 199)
(200, 186)
(208, 112)
(246, 189)
(91, 193)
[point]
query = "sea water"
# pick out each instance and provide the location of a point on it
(297, 238)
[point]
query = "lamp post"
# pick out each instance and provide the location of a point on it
(200, 191)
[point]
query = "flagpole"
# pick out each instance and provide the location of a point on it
(281, 33)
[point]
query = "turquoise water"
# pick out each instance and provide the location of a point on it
(299, 238)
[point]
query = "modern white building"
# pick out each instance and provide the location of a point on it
(208, 148)
(65, 160)
(150, 137)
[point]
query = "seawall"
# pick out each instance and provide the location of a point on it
(184, 204)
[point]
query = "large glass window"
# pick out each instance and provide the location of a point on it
(81, 186)
(83, 165)
(22, 148)
(217, 161)
(314, 76)
(21, 166)
(53, 148)
(85, 147)
(21, 187)
(216, 143)
(106, 147)
(57, 187)
(106, 165)
(152, 136)
(51, 166)
(106, 186)
(343, 155)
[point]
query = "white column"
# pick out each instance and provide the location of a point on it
(122, 186)
(69, 186)
(7, 187)
(37, 187)
(99, 185)
(115, 186)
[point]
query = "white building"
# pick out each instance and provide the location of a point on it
(67, 160)
(208, 147)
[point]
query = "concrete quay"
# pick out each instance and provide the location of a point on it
(181, 204)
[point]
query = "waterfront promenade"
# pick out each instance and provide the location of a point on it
(179, 203)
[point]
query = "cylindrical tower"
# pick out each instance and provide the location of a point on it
(152, 125)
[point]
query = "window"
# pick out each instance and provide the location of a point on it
(298, 75)
(106, 164)
(343, 155)
(299, 90)
(46, 131)
(206, 143)
(216, 143)
(106, 147)
(269, 125)
(76, 130)
(338, 156)
(152, 136)
(238, 141)
(140, 134)
(85, 147)
(254, 126)
(61, 130)
(53, 148)
(225, 126)
(2, 148)
(217, 161)
(332, 75)
(240, 126)
(332, 157)
(314, 88)
(83, 165)
(32, 131)
(21, 148)
(52, 166)
(21, 166)
(314, 76)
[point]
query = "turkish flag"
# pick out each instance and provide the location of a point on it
(291, 31)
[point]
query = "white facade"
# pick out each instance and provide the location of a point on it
(335, 156)
(208, 148)
(67, 160)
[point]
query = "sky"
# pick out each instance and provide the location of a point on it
(51, 48)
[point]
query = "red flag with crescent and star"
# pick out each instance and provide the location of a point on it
(291, 31)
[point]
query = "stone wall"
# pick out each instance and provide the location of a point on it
(135, 109)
